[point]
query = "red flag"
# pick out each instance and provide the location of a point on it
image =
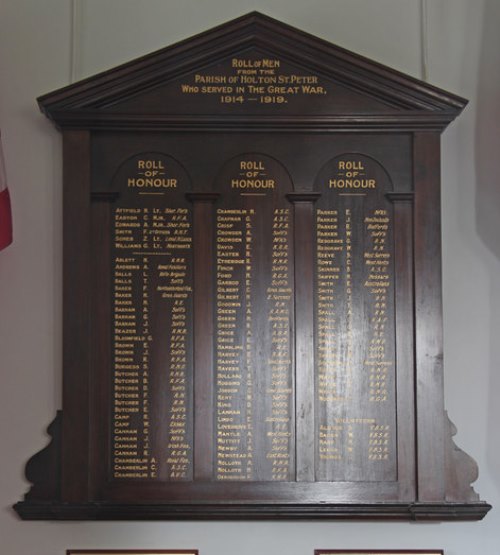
(5, 212)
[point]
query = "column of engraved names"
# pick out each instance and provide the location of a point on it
(279, 293)
(380, 358)
(131, 448)
(151, 356)
(146, 333)
(354, 330)
(330, 383)
(234, 365)
(173, 228)
(335, 312)
(343, 421)
(349, 438)
(249, 361)
(254, 325)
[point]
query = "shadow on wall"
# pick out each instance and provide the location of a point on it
(488, 202)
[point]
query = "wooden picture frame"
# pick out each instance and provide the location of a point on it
(378, 552)
(131, 552)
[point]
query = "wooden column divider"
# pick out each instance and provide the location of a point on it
(101, 212)
(203, 333)
(304, 334)
(405, 343)
(76, 316)
(428, 319)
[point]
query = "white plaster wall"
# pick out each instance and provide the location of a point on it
(464, 57)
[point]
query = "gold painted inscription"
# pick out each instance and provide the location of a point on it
(252, 176)
(261, 81)
(351, 174)
(354, 324)
(254, 319)
(152, 296)
(151, 174)
(234, 369)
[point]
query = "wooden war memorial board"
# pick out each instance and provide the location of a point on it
(252, 296)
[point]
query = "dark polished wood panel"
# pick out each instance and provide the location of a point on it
(252, 296)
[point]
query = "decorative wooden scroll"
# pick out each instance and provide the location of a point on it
(252, 305)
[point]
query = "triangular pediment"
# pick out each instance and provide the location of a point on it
(253, 68)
